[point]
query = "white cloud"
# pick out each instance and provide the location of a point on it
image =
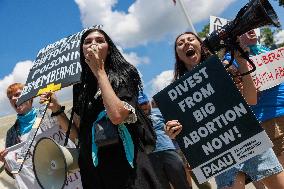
(133, 58)
(64, 94)
(19, 74)
(279, 37)
(146, 20)
(161, 81)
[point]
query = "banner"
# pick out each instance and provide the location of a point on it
(269, 69)
(219, 129)
(26, 178)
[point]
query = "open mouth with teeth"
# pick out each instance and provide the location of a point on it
(251, 32)
(190, 52)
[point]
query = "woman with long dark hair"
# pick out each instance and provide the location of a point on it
(108, 91)
(189, 51)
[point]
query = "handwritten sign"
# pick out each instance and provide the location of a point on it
(56, 66)
(219, 129)
(269, 69)
(25, 179)
(217, 23)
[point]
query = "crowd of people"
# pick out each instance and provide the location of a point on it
(111, 93)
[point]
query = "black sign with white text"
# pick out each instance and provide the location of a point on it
(219, 129)
(56, 66)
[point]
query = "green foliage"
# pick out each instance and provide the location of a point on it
(280, 45)
(281, 2)
(266, 37)
(204, 32)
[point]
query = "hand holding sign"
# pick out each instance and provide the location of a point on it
(3, 153)
(173, 128)
(219, 129)
(56, 66)
(50, 97)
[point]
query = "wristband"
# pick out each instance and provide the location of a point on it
(61, 110)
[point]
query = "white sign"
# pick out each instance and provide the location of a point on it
(217, 23)
(269, 69)
(26, 178)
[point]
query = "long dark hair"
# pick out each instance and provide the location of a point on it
(120, 73)
(180, 68)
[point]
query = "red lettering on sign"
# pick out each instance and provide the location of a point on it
(265, 59)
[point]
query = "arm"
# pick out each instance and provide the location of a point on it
(3, 153)
(249, 89)
(62, 119)
(113, 105)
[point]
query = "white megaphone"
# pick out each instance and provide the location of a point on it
(52, 162)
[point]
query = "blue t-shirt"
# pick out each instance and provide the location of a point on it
(163, 141)
(228, 57)
(270, 102)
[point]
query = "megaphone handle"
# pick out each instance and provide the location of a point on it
(69, 127)
(245, 55)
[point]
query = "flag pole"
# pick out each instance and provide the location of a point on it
(187, 16)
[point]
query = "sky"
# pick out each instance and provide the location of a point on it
(144, 30)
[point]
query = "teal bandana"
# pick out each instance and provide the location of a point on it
(26, 121)
(123, 134)
(258, 49)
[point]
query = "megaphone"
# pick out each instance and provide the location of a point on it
(254, 14)
(52, 162)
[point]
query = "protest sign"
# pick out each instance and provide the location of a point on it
(25, 179)
(56, 66)
(219, 129)
(216, 23)
(269, 69)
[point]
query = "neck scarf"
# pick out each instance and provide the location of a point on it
(26, 121)
(258, 49)
(123, 134)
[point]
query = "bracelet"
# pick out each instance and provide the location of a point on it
(61, 110)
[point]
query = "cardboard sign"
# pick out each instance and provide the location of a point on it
(56, 66)
(217, 23)
(25, 179)
(219, 129)
(269, 69)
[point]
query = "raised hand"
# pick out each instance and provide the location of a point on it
(95, 58)
(53, 105)
(3, 153)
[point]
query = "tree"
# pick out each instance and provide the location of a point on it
(281, 2)
(204, 32)
(266, 37)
